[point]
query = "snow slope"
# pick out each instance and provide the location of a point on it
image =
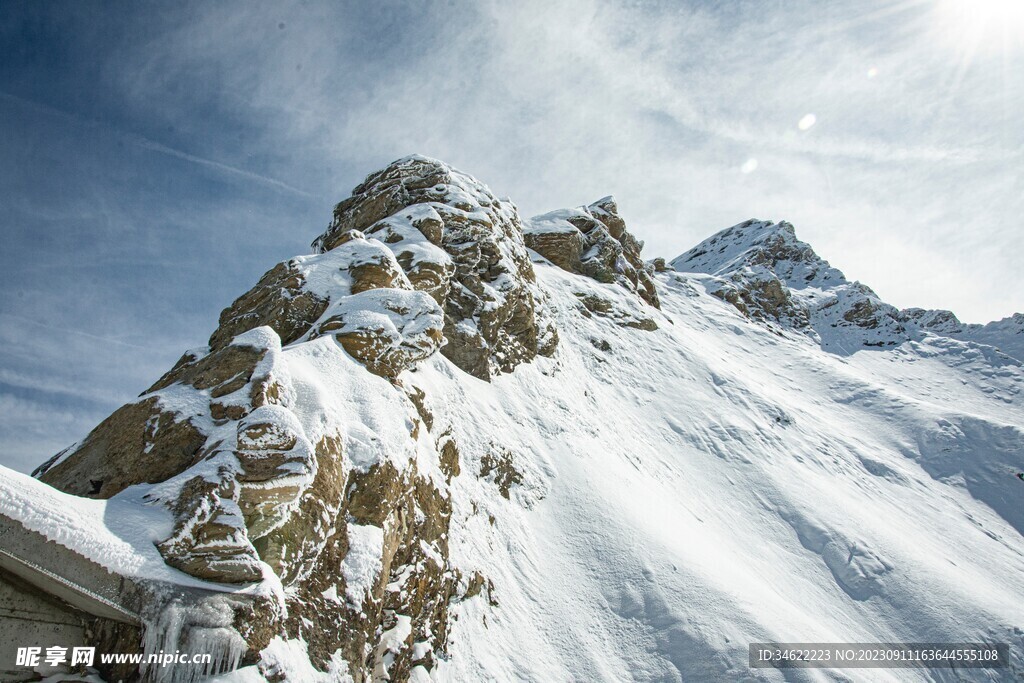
(1007, 334)
(713, 483)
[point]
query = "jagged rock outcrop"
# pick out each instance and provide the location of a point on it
(464, 247)
(591, 304)
(769, 275)
(289, 448)
(124, 450)
(593, 241)
(279, 300)
(940, 322)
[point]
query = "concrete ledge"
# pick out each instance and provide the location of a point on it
(63, 573)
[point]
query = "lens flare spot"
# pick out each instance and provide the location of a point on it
(807, 122)
(872, 72)
(749, 166)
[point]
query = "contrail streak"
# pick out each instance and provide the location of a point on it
(153, 146)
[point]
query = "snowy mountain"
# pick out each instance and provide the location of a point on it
(771, 276)
(455, 444)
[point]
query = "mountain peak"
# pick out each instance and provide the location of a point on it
(406, 182)
(770, 275)
(462, 245)
(759, 244)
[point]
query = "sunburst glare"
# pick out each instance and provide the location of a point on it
(981, 26)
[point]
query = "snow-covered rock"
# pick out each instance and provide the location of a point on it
(593, 240)
(463, 246)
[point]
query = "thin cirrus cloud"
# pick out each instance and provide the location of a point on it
(158, 162)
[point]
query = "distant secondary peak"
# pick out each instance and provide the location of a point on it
(756, 243)
(768, 274)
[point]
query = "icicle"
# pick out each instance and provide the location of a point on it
(201, 628)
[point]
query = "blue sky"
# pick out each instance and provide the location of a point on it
(157, 158)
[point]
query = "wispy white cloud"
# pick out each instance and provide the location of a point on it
(35, 430)
(7, 319)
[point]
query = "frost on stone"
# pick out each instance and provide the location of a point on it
(462, 246)
(389, 330)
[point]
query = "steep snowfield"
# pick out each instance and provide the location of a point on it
(714, 483)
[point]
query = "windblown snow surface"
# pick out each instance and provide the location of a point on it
(712, 484)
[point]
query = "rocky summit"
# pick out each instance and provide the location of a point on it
(769, 275)
(454, 443)
(457, 242)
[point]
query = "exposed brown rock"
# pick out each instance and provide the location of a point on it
(222, 413)
(500, 468)
(222, 372)
(763, 298)
(658, 265)
(449, 457)
(386, 329)
(414, 514)
(593, 241)
(208, 542)
(495, 317)
(563, 248)
(293, 548)
(278, 300)
(139, 443)
(418, 398)
(431, 277)
(477, 584)
(377, 273)
(606, 308)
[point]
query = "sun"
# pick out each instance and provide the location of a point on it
(979, 26)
